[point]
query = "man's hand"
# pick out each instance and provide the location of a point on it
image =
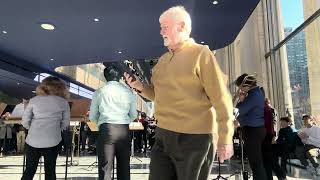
(133, 82)
(225, 151)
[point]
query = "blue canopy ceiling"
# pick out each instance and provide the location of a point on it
(91, 31)
(127, 26)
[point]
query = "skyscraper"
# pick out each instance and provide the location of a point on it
(298, 73)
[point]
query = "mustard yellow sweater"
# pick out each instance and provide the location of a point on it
(190, 93)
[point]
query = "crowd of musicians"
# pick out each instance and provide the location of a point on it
(194, 111)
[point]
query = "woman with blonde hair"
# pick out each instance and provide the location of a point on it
(46, 115)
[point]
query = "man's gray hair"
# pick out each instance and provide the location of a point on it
(179, 14)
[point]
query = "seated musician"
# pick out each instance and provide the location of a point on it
(287, 143)
(142, 142)
(151, 131)
(310, 135)
(5, 134)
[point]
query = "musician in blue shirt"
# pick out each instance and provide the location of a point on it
(113, 107)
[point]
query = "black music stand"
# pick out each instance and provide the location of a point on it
(243, 172)
(93, 128)
(219, 172)
(66, 143)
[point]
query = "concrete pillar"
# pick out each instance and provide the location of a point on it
(312, 32)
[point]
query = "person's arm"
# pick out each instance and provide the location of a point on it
(65, 117)
(303, 135)
(94, 108)
(212, 80)
(27, 115)
(133, 109)
(148, 92)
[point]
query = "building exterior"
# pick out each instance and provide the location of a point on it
(298, 73)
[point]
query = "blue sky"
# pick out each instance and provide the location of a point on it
(292, 12)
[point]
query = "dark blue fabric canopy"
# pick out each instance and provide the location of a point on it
(127, 26)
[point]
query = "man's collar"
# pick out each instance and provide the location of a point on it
(184, 44)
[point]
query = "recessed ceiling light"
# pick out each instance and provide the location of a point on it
(119, 52)
(215, 2)
(49, 27)
(202, 42)
(34, 91)
(18, 83)
(4, 32)
(51, 59)
(96, 20)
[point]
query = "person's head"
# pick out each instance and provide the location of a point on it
(307, 120)
(111, 73)
(285, 122)
(175, 26)
(245, 82)
(53, 86)
(25, 102)
(143, 115)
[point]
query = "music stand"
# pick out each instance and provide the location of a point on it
(93, 128)
(243, 172)
(66, 139)
(219, 172)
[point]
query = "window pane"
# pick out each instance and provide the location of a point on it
(295, 12)
(302, 56)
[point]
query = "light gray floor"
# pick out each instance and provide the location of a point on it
(11, 169)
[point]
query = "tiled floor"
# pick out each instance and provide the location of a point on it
(11, 169)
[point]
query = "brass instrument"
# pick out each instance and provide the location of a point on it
(249, 80)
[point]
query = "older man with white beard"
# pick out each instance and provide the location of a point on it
(192, 104)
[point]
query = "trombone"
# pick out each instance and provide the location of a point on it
(249, 80)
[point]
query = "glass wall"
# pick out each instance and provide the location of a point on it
(302, 56)
(88, 74)
(295, 12)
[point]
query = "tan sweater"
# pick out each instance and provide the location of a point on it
(190, 93)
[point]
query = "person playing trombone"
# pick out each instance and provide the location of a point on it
(251, 119)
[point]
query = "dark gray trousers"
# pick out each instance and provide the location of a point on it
(178, 156)
(113, 141)
(253, 138)
(32, 160)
